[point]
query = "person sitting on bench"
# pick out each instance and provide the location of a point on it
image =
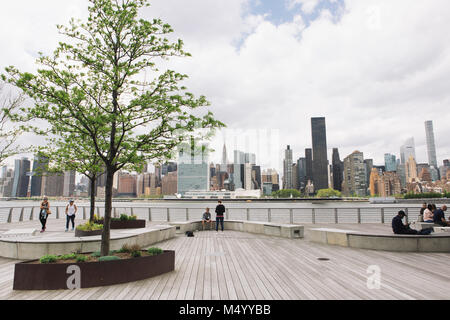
(439, 217)
(399, 228)
(428, 214)
(206, 219)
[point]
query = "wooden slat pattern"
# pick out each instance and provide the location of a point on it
(234, 265)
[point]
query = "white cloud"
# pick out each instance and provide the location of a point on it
(376, 74)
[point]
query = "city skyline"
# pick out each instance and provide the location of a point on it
(326, 66)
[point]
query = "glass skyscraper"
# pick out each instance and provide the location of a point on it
(431, 147)
(319, 148)
(390, 162)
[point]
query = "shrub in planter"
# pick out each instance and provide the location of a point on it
(108, 258)
(81, 258)
(154, 251)
(136, 254)
(90, 226)
(48, 259)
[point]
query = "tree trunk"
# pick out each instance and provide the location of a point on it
(108, 208)
(92, 212)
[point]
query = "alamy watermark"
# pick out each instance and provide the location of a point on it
(374, 278)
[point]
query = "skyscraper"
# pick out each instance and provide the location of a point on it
(406, 150)
(69, 183)
(193, 169)
(411, 170)
(338, 169)
(301, 173)
(21, 177)
(224, 164)
(389, 162)
(354, 175)
(319, 147)
(431, 147)
(39, 165)
(287, 169)
(309, 166)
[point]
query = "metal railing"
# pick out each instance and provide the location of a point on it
(334, 215)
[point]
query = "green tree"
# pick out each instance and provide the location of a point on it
(92, 87)
(287, 193)
(328, 193)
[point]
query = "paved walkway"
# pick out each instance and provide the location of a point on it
(235, 265)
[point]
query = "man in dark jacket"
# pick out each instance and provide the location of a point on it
(220, 210)
(439, 216)
(399, 228)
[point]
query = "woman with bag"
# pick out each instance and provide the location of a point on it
(45, 211)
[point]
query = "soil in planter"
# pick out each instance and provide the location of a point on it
(121, 255)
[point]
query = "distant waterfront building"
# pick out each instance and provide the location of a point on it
(127, 185)
(295, 184)
(354, 175)
(309, 165)
(368, 165)
(401, 172)
(301, 173)
(21, 178)
(337, 170)
(287, 169)
(224, 164)
(267, 188)
(39, 165)
(424, 175)
(431, 146)
(52, 184)
(390, 162)
(248, 176)
(6, 183)
(386, 185)
(406, 150)
(193, 170)
(411, 170)
(169, 183)
(271, 176)
(69, 183)
(319, 149)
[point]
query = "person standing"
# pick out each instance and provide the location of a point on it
(220, 210)
(44, 212)
(71, 210)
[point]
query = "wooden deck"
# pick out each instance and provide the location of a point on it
(234, 265)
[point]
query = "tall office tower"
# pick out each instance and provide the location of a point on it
(69, 183)
(52, 184)
(368, 164)
(406, 150)
(193, 170)
(431, 147)
(354, 175)
(295, 176)
(389, 162)
(169, 183)
(256, 177)
(320, 158)
(224, 164)
(301, 173)
(39, 165)
(337, 170)
(287, 169)
(308, 165)
(6, 183)
(250, 158)
(411, 170)
(247, 176)
(21, 177)
(238, 174)
(168, 167)
(401, 172)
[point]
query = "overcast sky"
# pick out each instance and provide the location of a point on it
(377, 70)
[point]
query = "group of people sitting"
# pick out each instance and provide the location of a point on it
(429, 213)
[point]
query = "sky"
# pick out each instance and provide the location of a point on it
(377, 70)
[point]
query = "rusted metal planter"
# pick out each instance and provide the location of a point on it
(126, 224)
(53, 276)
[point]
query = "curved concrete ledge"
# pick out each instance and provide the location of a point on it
(270, 229)
(34, 248)
(403, 243)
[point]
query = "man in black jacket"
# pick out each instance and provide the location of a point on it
(220, 210)
(399, 228)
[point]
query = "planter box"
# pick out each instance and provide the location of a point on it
(128, 224)
(55, 276)
(80, 233)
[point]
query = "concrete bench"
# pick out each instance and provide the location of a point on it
(266, 228)
(439, 242)
(441, 229)
(422, 225)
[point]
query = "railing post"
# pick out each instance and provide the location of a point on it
(115, 212)
(406, 217)
(291, 216)
(248, 214)
(359, 215)
(336, 218)
(168, 215)
(57, 212)
(21, 214)
(313, 216)
(227, 214)
(98, 212)
(10, 215)
(269, 215)
(84, 213)
(32, 214)
(187, 214)
(132, 211)
(149, 214)
(382, 215)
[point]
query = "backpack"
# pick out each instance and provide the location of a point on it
(189, 234)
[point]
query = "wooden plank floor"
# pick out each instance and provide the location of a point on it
(235, 265)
